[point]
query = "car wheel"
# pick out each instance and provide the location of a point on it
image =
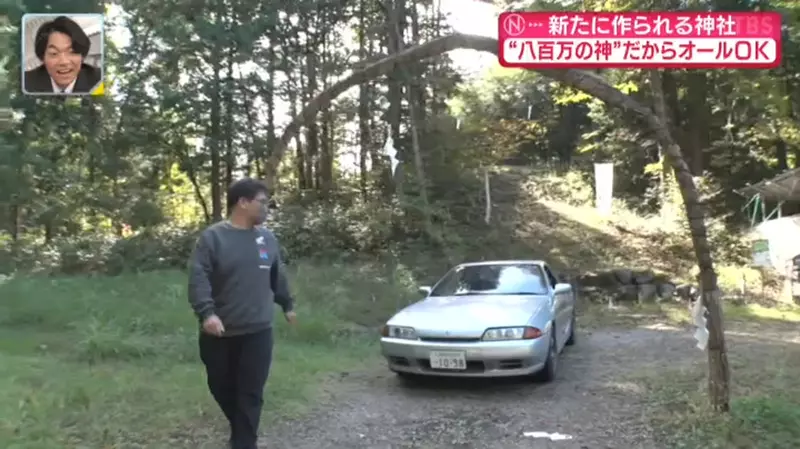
(571, 339)
(548, 373)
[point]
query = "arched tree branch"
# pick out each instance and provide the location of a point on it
(597, 87)
(582, 80)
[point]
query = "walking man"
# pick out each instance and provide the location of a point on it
(235, 279)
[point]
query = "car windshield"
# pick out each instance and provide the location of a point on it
(500, 279)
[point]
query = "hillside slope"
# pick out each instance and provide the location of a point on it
(535, 209)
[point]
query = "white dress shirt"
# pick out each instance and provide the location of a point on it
(59, 90)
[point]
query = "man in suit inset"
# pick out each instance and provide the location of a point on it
(62, 46)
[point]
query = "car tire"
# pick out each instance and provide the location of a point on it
(571, 339)
(548, 373)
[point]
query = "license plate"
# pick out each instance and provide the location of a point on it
(448, 360)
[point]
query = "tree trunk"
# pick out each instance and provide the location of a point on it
(599, 88)
(187, 165)
(414, 118)
(215, 141)
(698, 118)
(327, 148)
(312, 128)
(364, 135)
(417, 79)
(256, 151)
(271, 69)
(230, 156)
(394, 18)
(380, 169)
(299, 159)
(781, 154)
(718, 369)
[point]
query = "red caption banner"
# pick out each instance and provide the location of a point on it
(549, 40)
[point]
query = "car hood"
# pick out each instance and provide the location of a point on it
(469, 315)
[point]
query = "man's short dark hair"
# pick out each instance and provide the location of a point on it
(247, 188)
(62, 24)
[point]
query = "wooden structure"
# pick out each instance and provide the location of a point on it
(775, 192)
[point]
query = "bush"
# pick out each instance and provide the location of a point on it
(152, 249)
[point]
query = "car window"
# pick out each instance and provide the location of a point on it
(500, 279)
(550, 277)
(448, 283)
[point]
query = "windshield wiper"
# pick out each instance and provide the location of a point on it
(490, 293)
(522, 293)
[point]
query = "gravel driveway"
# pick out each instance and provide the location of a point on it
(592, 405)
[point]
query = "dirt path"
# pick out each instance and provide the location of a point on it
(593, 402)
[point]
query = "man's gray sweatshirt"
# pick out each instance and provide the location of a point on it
(237, 275)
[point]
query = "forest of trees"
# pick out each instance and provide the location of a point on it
(203, 92)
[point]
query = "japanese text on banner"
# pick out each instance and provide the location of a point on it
(637, 40)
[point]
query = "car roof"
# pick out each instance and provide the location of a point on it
(502, 262)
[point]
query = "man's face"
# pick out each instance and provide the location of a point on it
(61, 62)
(257, 208)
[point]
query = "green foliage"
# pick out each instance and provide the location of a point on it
(755, 422)
(76, 174)
(573, 187)
(121, 186)
(765, 393)
(152, 249)
(517, 115)
(114, 360)
(335, 230)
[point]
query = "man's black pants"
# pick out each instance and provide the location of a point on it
(237, 368)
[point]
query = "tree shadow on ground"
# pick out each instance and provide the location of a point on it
(459, 384)
(607, 394)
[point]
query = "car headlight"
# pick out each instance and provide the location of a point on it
(406, 333)
(511, 333)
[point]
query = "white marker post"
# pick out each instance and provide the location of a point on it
(604, 187)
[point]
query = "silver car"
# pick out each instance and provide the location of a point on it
(484, 319)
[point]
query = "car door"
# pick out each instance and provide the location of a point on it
(561, 308)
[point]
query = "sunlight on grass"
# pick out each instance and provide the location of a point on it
(765, 392)
(98, 362)
(588, 241)
(600, 315)
(764, 408)
(785, 313)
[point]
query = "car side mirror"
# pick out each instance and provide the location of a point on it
(562, 288)
(425, 290)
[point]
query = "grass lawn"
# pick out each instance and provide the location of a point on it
(112, 362)
(764, 357)
(765, 405)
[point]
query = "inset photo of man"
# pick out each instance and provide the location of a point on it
(62, 54)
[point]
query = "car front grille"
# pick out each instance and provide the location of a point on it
(450, 339)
